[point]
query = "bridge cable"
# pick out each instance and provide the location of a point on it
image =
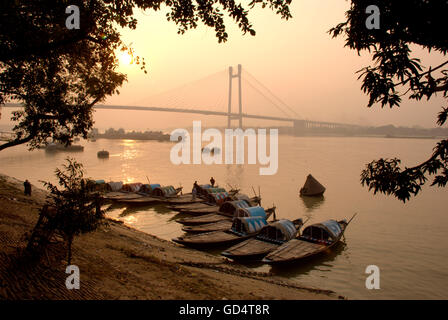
(269, 91)
(267, 98)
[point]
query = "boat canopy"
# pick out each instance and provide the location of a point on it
(233, 206)
(218, 198)
(327, 230)
(165, 191)
(215, 190)
(251, 212)
(132, 187)
(100, 181)
(115, 186)
(282, 230)
(148, 188)
(248, 225)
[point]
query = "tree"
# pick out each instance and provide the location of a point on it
(395, 74)
(78, 210)
(59, 74)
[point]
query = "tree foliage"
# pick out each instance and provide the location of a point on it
(395, 74)
(78, 210)
(60, 74)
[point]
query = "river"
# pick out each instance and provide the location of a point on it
(407, 241)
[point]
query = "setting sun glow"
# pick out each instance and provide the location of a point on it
(125, 58)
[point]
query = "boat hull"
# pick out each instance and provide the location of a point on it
(209, 227)
(251, 249)
(211, 239)
(203, 219)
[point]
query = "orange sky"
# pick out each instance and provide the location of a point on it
(295, 59)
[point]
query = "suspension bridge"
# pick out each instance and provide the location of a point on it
(214, 95)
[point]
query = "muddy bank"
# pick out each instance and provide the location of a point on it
(118, 262)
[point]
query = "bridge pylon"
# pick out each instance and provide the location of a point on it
(239, 116)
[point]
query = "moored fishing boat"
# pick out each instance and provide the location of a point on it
(184, 199)
(142, 200)
(270, 238)
(315, 239)
(214, 205)
(158, 191)
(225, 224)
(224, 212)
(242, 229)
(103, 154)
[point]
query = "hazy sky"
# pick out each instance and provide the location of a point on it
(295, 59)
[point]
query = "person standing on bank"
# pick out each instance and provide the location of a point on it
(212, 182)
(194, 192)
(27, 186)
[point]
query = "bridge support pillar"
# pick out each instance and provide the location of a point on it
(239, 116)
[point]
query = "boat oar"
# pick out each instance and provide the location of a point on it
(352, 218)
(306, 221)
(343, 232)
(274, 214)
(255, 194)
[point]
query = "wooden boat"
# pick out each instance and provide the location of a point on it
(157, 191)
(227, 222)
(224, 212)
(117, 196)
(242, 229)
(191, 206)
(269, 239)
(182, 200)
(141, 201)
(208, 227)
(215, 207)
(315, 239)
(103, 154)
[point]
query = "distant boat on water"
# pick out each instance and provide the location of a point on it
(103, 154)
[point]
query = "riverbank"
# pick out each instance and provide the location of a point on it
(118, 262)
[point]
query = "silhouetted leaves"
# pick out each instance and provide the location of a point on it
(60, 74)
(402, 23)
(78, 210)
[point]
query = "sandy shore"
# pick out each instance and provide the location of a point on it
(118, 262)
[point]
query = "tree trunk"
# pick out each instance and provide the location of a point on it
(69, 250)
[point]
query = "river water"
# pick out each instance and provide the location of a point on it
(407, 242)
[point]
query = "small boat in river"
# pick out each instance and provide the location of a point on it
(315, 239)
(103, 154)
(270, 238)
(215, 205)
(224, 212)
(226, 223)
(242, 229)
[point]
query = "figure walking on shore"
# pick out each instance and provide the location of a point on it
(27, 186)
(212, 182)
